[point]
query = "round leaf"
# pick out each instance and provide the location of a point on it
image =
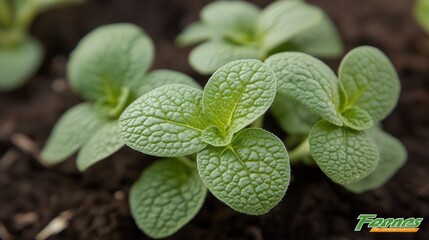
(251, 175)
(108, 59)
(345, 155)
(166, 197)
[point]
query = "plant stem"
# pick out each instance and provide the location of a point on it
(258, 122)
(300, 152)
(187, 160)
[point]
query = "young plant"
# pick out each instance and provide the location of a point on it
(246, 168)
(344, 140)
(421, 13)
(108, 69)
(21, 54)
(233, 30)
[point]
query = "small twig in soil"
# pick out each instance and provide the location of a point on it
(24, 143)
(55, 226)
(8, 158)
(4, 234)
(22, 220)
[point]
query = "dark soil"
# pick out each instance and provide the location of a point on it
(31, 195)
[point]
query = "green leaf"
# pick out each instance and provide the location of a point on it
(196, 32)
(216, 137)
(370, 81)
(293, 117)
(237, 94)
(165, 122)
(73, 129)
(163, 77)
(108, 59)
(208, 57)
(308, 81)
(105, 141)
(235, 17)
(421, 13)
(345, 155)
(321, 40)
(19, 63)
(281, 21)
(166, 197)
(251, 175)
(392, 157)
(357, 118)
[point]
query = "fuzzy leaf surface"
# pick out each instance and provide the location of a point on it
(167, 196)
(251, 175)
(370, 81)
(238, 93)
(165, 122)
(344, 155)
(357, 118)
(308, 81)
(392, 157)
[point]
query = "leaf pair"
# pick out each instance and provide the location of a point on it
(239, 30)
(108, 69)
(248, 169)
(366, 91)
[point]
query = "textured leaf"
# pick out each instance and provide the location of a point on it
(251, 175)
(196, 32)
(162, 77)
(73, 129)
(321, 40)
(283, 20)
(345, 155)
(105, 141)
(293, 117)
(109, 58)
(208, 57)
(18, 64)
(392, 157)
(165, 122)
(370, 81)
(237, 17)
(357, 119)
(166, 197)
(238, 93)
(216, 137)
(308, 81)
(421, 13)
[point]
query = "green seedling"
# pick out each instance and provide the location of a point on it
(341, 114)
(232, 30)
(246, 168)
(20, 53)
(421, 13)
(108, 69)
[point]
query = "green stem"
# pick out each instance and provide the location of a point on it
(188, 160)
(300, 152)
(258, 122)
